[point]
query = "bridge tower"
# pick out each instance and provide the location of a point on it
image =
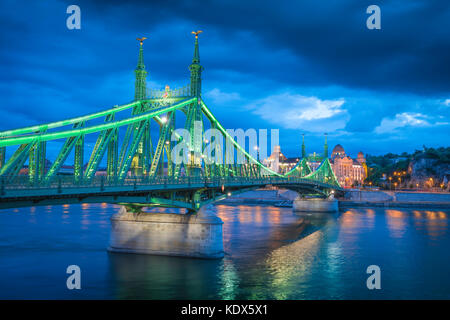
(196, 126)
(140, 93)
(303, 146)
(325, 147)
(196, 69)
(141, 74)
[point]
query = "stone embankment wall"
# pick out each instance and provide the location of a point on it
(256, 197)
(379, 196)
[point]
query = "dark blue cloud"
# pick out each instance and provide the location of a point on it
(252, 51)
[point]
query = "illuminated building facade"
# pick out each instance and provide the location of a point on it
(278, 162)
(348, 171)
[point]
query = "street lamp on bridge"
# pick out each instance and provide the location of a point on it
(257, 152)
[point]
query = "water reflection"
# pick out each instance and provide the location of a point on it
(370, 218)
(348, 219)
(265, 257)
(396, 222)
(433, 223)
(228, 281)
(271, 253)
(256, 229)
(158, 277)
(291, 265)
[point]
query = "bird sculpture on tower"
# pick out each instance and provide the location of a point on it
(196, 33)
(141, 40)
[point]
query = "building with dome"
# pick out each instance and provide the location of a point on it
(348, 171)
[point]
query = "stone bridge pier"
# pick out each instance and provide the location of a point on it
(319, 205)
(197, 235)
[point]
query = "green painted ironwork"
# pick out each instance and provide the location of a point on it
(57, 124)
(137, 136)
(2, 156)
(99, 150)
(78, 160)
(12, 167)
(188, 124)
(62, 156)
(112, 158)
(88, 130)
(196, 70)
(141, 76)
(132, 159)
(163, 138)
(324, 174)
(301, 169)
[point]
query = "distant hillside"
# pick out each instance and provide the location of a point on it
(430, 163)
(429, 167)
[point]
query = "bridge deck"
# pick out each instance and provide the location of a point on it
(138, 190)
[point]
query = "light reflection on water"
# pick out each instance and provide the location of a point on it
(271, 253)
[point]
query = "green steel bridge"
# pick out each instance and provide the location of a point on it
(135, 145)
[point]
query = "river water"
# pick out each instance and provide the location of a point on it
(271, 253)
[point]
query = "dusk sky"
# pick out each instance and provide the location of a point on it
(299, 66)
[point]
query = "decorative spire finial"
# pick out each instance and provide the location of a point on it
(196, 33)
(196, 68)
(140, 89)
(141, 40)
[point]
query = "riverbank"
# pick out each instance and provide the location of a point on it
(395, 199)
(344, 204)
(260, 197)
(352, 198)
(396, 196)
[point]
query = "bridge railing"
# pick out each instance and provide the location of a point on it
(102, 182)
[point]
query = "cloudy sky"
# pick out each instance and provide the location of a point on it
(299, 66)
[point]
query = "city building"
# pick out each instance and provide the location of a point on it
(278, 162)
(348, 171)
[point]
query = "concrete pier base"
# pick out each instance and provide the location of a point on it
(315, 205)
(188, 235)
